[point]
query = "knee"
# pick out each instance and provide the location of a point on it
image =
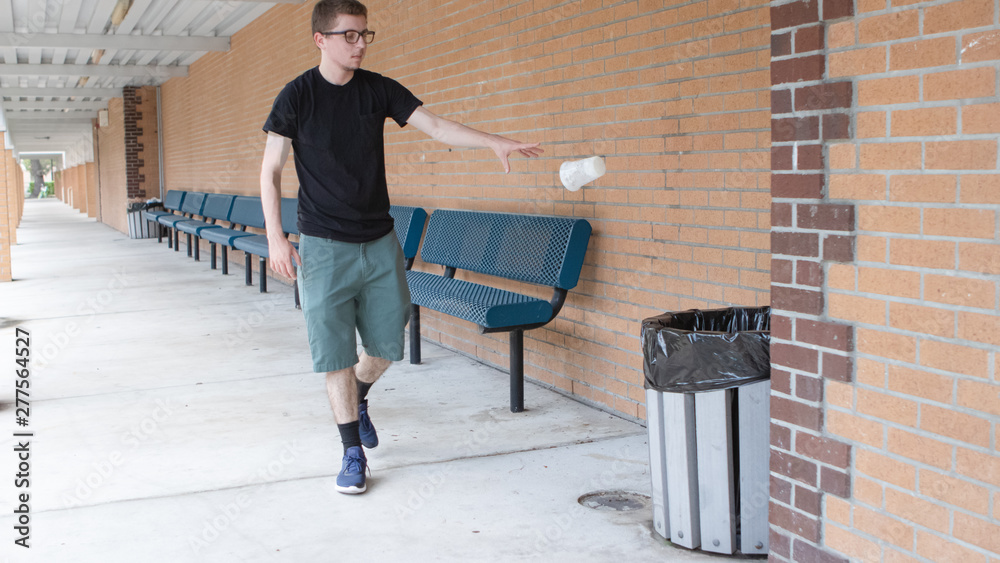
(379, 364)
(332, 376)
(373, 364)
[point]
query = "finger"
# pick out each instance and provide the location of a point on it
(296, 257)
(506, 164)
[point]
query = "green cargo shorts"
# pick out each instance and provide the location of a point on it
(349, 288)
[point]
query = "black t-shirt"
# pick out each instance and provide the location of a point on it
(336, 134)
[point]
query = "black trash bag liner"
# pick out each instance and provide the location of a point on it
(695, 350)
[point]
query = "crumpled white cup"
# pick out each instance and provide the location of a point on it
(575, 173)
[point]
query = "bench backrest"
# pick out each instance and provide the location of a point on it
(193, 203)
(247, 212)
(409, 226)
(174, 199)
(290, 215)
(537, 249)
(218, 206)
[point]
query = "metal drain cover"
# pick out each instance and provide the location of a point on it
(618, 501)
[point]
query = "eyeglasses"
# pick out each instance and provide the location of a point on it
(352, 36)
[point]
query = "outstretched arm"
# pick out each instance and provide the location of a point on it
(282, 254)
(455, 134)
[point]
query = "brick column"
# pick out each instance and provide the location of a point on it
(6, 225)
(809, 231)
(133, 147)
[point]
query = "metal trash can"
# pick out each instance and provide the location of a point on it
(708, 415)
(138, 226)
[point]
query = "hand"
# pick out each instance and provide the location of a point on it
(282, 255)
(507, 146)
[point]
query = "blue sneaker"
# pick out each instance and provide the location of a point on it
(369, 438)
(351, 480)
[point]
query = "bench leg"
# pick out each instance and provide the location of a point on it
(225, 260)
(249, 274)
(295, 289)
(159, 232)
(177, 239)
(263, 274)
(197, 248)
(414, 334)
(189, 244)
(517, 370)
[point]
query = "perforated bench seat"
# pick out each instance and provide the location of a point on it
(542, 250)
(486, 306)
(256, 244)
(173, 202)
(224, 236)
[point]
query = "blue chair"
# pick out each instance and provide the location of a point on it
(217, 208)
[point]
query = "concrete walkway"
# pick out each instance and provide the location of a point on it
(175, 418)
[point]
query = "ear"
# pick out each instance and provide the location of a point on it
(319, 39)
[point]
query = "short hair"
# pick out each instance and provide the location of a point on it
(326, 11)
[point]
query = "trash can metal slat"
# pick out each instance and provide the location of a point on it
(717, 498)
(755, 471)
(682, 469)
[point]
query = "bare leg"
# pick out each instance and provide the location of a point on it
(343, 390)
(343, 393)
(369, 369)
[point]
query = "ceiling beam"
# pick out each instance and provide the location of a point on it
(99, 41)
(16, 92)
(14, 117)
(151, 71)
(40, 148)
(62, 104)
(55, 133)
(18, 119)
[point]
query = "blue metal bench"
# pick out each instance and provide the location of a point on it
(217, 208)
(256, 245)
(171, 203)
(541, 250)
(193, 204)
(409, 225)
(246, 212)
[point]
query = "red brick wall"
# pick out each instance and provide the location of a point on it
(111, 167)
(75, 185)
(7, 227)
(885, 281)
(674, 96)
(90, 179)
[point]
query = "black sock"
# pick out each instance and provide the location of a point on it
(350, 434)
(363, 390)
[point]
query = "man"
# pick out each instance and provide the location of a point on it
(350, 265)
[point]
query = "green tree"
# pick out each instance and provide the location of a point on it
(38, 170)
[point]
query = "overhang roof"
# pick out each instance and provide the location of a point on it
(62, 60)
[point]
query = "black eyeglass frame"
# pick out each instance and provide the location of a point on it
(368, 34)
